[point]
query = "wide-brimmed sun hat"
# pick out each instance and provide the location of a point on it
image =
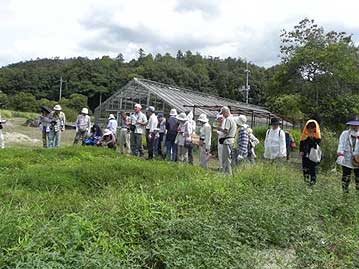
(240, 120)
(57, 108)
(203, 118)
(107, 132)
(111, 117)
(353, 122)
(182, 117)
(173, 112)
(85, 111)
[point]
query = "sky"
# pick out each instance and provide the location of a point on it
(31, 29)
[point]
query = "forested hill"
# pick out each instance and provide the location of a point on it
(318, 76)
(105, 75)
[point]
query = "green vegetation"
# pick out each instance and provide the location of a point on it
(82, 207)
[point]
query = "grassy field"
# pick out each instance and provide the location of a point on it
(91, 208)
(77, 207)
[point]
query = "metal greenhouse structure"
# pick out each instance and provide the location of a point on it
(164, 97)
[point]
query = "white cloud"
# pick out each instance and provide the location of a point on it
(236, 28)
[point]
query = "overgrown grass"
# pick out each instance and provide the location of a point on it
(90, 208)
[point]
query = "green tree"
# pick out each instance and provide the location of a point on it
(4, 100)
(317, 65)
(24, 102)
(287, 104)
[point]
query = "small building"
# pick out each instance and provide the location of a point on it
(165, 97)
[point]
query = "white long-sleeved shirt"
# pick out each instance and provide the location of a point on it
(83, 122)
(206, 135)
(347, 148)
(152, 123)
(274, 144)
(112, 126)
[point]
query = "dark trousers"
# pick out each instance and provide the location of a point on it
(189, 147)
(346, 178)
(44, 137)
(150, 146)
(136, 144)
(309, 171)
(147, 133)
(159, 146)
(171, 147)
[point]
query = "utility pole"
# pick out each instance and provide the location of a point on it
(247, 85)
(61, 81)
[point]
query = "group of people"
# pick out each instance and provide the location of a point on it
(174, 138)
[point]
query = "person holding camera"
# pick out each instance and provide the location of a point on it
(138, 124)
(229, 130)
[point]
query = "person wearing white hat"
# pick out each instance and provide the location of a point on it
(171, 134)
(182, 132)
(138, 123)
(229, 129)
(348, 152)
(108, 139)
(275, 147)
(112, 124)
(205, 140)
(191, 130)
(57, 124)
(83, 125)
(150, 130)
(243, 139)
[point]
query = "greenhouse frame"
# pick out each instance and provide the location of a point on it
(165, 97)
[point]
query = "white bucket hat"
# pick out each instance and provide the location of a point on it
(107, 132)
(240, 120)
(85, 111)
(57, 108)
(173, 112)
(203, 118)
(182, 117)
(111, 116)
